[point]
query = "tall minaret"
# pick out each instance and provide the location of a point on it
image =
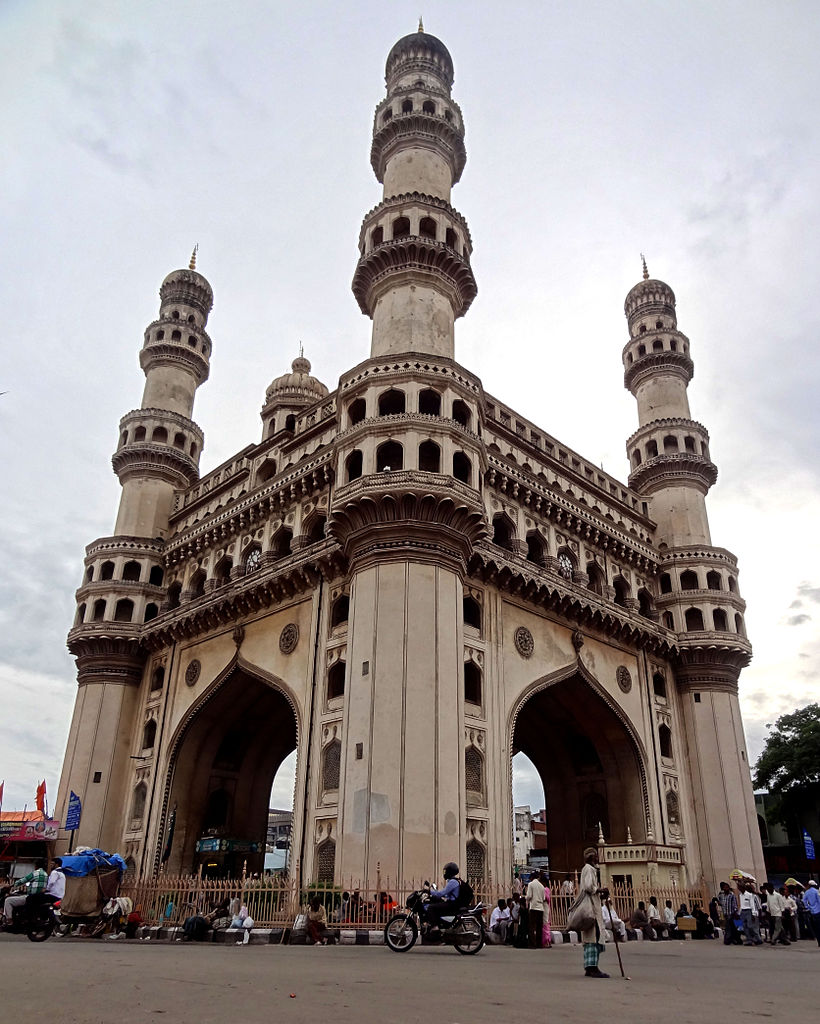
(698, 597)
(158, 451)
(414, 277)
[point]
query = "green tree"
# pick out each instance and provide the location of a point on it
(789, 766)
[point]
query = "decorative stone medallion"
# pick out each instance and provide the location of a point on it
(192, 672)
(524, 642)
(289, 638)
(624, 678)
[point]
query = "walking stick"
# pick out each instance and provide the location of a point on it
(617, 943)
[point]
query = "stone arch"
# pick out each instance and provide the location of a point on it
(536, 548)
(331, 765)
(503, 531)
(325, 861)
(390, 456)
(476, 863)
(597, 580)
(622, 590)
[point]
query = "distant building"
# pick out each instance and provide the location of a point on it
(280, 824)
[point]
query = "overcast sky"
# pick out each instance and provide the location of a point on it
(686, 130)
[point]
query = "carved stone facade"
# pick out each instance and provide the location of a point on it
(406, 582)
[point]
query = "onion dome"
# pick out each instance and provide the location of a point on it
(420, 52)
(649, 298)
(186, 287)
(297, 387)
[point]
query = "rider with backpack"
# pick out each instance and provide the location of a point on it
(445, 902)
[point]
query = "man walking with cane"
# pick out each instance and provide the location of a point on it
(592, 937)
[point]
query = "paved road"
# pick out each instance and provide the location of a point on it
(86, 982)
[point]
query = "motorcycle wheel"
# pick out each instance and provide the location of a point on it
(401, 932)
(468, 936)
(40, 929)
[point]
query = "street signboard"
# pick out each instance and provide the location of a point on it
(74, 812)
(808, 843)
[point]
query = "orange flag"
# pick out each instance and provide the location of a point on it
(41, 797)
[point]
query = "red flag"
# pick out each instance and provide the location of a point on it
(2, 785)
(41, 797)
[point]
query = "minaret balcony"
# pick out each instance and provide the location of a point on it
(683, 469)
(176, 352)
(410, 260)
(151, 459)
(652, 363)
(418, 130)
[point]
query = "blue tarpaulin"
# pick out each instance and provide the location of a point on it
(79, 865)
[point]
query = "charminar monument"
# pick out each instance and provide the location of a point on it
(407, 582)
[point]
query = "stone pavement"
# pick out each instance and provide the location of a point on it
(73, 981)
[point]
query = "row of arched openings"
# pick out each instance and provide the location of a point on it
(177, 336)
(159, 435)
(671, 446)
(408, 107)
(390, 459)
(131, 572)
(393, 402)
(689, 580)
(123, 611)
(428, 228)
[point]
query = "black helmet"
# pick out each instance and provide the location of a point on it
(450, 870)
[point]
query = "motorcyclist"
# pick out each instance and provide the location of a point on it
(444, 902)
(33, 883)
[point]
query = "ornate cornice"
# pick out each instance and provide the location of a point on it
(175, 353)
(107, 652)
(163, 461)
(125, 546)
(675, 364)
(415, 258)
(669, 422)
(417, 129)
(183, 422)
(375, 425)
(409, 366)
(417, 199)
(682, 468)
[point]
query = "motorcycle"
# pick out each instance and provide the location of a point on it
(463, 928)
(37, 917)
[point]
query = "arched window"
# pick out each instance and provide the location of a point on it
(151, 612)
(657, 345)
(427, 227)
(503, 531)
(160, 335)
(89, 574)
(472, 612)
(472, 682)
(665, 741)
(139, 434)
(160, 435)
(659, 325)
(566, 563)
(689, 443)
(694, 620)
(156, 575)
(193, 451)
(179, 441)
(131, 571)
(536, 548)
(636, 457)
(149, 734)
(666, 583)
(138, 800)
(642, 348)
(197, 585)
(670, 444)
(391, 403)
(622, 590)
(222, 570)
(428, 107)
(326, 862)
(124, 612)
(281, 543)
(192, 340)
(387, 115)
(176, 335)
(377, 236)
(673, 345)
(290, 423)
(389, 457)
(719, 619)
(646, 606)
(340, 611)
(739, 625)
(476, 860)
(107, 571)
(714, 581)
(79, 619)
(356, 411)
(157, 679)
(407, 107)
(174, 592)
(429, 402)
(596, 579)
(659, 685)
(451, 238)
(462, 468)
(429, 457)
(331, 765)
(689, 580)
(732, 585)
(668, 620)
(474, 772)
(461, 413)
(353, 465)
(315, 529)
(336, 680)
(672, 807)
(401, 227)
(99, 610)
(651, 449)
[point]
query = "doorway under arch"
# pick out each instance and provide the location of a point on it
(224, 762)
(590, 765)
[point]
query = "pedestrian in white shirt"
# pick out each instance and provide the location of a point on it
(611, 919)
(669, 919)
(750, 913)
(55, 886)
(776, 905)
(499, 923)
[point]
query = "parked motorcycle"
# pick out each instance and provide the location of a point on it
(463, 929)
(37, 917)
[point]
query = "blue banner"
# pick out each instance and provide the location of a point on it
(808, 842)
(74, 812)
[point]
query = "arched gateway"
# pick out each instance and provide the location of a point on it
(417, 561)
(223, 759)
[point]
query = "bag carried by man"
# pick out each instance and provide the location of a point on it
(581, 916)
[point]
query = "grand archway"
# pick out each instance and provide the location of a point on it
(223, 765)
(590, 766)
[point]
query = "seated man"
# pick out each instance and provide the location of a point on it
(669, 919)
(318, 931)
(444, 902)
(611, 919)
(654, 916)
(499, 922)
(640, 922)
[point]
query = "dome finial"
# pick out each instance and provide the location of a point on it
(192, 263)
(645, 271)
(301, 350)
(421, 24)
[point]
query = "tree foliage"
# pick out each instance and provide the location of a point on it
(789, 766)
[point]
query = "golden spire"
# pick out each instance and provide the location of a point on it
(192, 264)
(645, 271)
(421, 24)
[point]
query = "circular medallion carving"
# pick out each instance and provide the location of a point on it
(289, 638)
(524, 642)
(192, 672)
(624, 678)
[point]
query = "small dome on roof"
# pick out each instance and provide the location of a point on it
(421, 48)
(298, 386)
(417, 40)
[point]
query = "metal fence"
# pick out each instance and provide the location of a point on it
(274, 901)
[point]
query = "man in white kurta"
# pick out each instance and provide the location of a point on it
(593, 937)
